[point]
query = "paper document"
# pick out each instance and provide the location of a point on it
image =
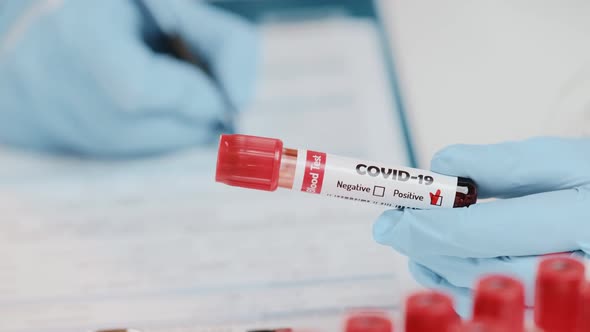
(324, 86)
(157, 245)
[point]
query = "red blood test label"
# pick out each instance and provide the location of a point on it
(314, 172)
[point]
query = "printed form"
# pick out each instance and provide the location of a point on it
(157, 245)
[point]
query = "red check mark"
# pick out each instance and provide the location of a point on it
(434, 197)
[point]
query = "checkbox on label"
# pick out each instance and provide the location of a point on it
(436, 199)
(379, 191)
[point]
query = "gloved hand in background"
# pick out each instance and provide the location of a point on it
(88, 77)
(544, 186)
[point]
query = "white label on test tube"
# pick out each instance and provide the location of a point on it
(371, 182)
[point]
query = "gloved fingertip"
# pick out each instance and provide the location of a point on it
(423, 275)
(231, 46)
(240, 73)
(585, 248)
(226, 42)
(385, 224)
(448, 160)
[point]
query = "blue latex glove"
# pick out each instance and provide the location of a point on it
(84, 77)
(544, 186)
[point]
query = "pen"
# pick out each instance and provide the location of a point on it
(179, 48)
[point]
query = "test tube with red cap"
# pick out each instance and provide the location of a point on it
(368, 321)
(557, 292)
(500, 299)
(265, 164)
(430, 311)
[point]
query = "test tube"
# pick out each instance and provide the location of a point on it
(368, 321)
(265, 164)
(428, 311)
(557, 292)
(500, 299)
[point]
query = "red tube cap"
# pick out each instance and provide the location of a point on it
(430, 311)
(500, 299)
(584, 309)
(557, 293)
(249, 161)
(369, 321)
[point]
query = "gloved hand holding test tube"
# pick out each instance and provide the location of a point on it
(542, 186)
(542, 191)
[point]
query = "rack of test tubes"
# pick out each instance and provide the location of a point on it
(562, 304)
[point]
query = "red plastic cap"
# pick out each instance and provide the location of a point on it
(371, 321)
(584, 309)
(477, 326)
(500, 299)
(557, 293)
(430, 311)
(249, 161)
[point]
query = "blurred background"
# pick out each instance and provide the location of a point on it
(491, 71)
(154, 243)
